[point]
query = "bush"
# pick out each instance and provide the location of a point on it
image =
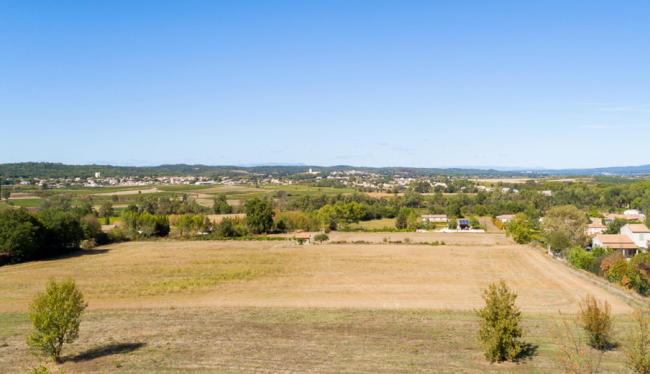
(617, 271)
(580, 258)
(499, 323)
(42, 370)
(595, 318)
(321, 238)
(637, 347)
(116, 235)
(610, 260)
(55, 316)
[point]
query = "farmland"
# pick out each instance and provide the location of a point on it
(178, 306)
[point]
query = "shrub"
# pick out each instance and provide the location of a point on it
(321, 238)
(637, 347)
(580, 258)
(499, 323)
(42, 370)
(616, 272)
(55, 316)
(596, 320)
(572, 355)
(407, 241)
(610, 260)
(600, 251)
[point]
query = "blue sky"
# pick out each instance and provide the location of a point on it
(552, 84)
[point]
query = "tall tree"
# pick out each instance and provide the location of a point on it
(259, 215)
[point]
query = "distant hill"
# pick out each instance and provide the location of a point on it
(56, 170)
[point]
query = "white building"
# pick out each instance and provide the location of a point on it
(505, 218)
(616, 242)
(632, 211)
(434, 217)
(547, 193)
(638, 233)
(97, 174)
(595, 227)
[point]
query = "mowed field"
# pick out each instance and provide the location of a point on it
(275, 307)
(285, 275)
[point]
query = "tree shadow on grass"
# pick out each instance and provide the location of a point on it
(105, 350)
(528, 351)
(76, 253)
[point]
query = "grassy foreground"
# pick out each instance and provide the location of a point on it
(268, 340)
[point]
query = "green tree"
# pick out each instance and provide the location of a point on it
(106, 210)
(401, 222)
(570, 220)
(614, 227)
(499, 323)
(6, 193)
(55, 316)
(63, 228)
(479, 210)
(453, 210)
(259, 215)
(22, 234)
(558, 240)
(220, 204)
(413, 199)
(519, 228)
(413, 220)
(321, 238)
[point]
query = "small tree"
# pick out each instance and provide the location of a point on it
(401, 221)
(6, 193)
(637, 347)
(499, 323)
(595, 317)
(321, 238)
(55, 316)
(572, 355)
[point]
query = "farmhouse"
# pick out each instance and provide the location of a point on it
(505, 218)
(639, 234)
(617, 242)
(595, 227)
(305, 236)
(434, 217)
(547, 193)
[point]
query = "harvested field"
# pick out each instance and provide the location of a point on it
(461, 238)
(129, 192)
(218, 217)
(285, 275)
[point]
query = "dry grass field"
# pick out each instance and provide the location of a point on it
(272, 307)
(285, 275)
(243, 340)
(461, 238)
